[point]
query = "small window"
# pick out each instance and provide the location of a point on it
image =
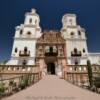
(79, 33)
(35, 21)
(21, 31)
(28, 33)
(76, 62)
(25, 49)
(16, 50)
(75, 50)
(51, 49)
(24, 62)
(83, 50)
(30, 21)
(72, 33)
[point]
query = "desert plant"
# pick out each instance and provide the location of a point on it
(90, 74)
(2, 89)
(11, 86)
(24, 83)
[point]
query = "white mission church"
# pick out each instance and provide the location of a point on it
(61, 52)
(24, 49)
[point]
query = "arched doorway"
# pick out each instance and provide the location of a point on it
(51, 68)
(24, 62)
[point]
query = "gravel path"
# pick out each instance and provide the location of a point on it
(53, 88)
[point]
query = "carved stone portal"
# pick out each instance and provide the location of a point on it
(50, 53)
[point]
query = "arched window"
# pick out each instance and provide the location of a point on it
(83, 50)
(30, 20)
(51, 49)
(16, 50)
(72, 33)
(76, 62)
(21, 31)
(79, 33)
(28, 33)
(25, 49)
(75, 50)
(24, 62)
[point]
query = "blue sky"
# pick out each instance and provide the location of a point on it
(50, 11)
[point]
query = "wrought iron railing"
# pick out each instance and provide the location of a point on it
(23, 53)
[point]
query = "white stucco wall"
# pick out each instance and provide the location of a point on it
(21, 43)
(69, 24)
(26, 40)
(94, 58)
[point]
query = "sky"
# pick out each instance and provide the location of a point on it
(50, 11)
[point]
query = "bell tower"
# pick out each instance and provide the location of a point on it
(74, 35)
(26, 35)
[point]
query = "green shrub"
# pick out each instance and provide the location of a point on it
(11, 83)
(97, 82)
(2, 88)
(22, 85)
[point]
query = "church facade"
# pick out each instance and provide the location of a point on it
(56, 52)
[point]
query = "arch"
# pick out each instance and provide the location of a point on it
(29, 33)
(83, 50)
(21, 32)
(79, 33)
(24, 62)
(51, 49)
(75, 50)
(72, 33)
(76, 62)
(16, 50)
(30, 20)
(25, 49)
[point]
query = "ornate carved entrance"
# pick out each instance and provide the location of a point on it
(50, 51)
(51, 68)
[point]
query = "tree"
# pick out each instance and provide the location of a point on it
(90, 74)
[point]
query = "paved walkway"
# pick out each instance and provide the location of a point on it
(53, 88)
